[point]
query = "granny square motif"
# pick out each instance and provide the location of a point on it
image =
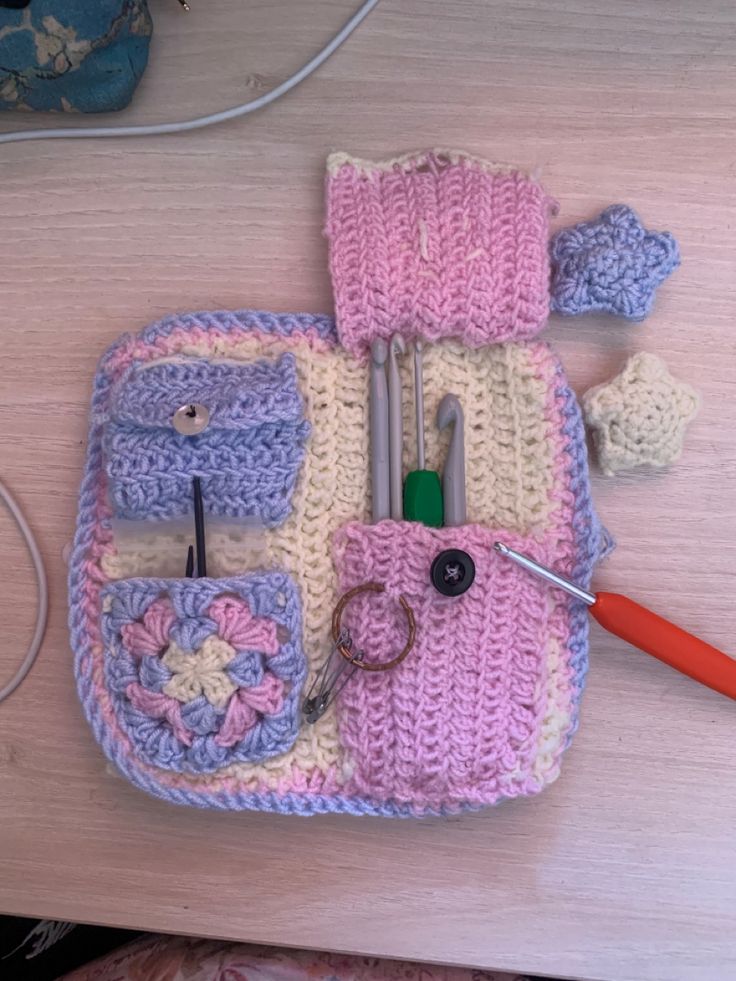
(204, 673)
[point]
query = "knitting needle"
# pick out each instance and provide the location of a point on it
(396, 347)
(190, 563)
(199, 528)
(644, 629)
(450, 413)
(422, 490)
(419, 400)
(379, 411)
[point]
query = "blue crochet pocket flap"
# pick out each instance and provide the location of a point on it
(202, 673)
(248, 456)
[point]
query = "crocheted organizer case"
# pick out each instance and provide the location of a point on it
(194, 687)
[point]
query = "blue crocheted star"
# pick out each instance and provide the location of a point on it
(611, 264)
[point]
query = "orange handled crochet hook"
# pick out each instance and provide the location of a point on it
(646, 630)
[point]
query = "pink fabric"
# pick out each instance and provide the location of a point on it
(237, 625)
(161, 958)
(159, 706)
(437, 245)
(459, 719)
(245, 706)
(152, 635)
(137, 349)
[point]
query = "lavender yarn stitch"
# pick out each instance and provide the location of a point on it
(238, 396)
(248, 458)
(612, 264)
(592, 540)
(237, 321)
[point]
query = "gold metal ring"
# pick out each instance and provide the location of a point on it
(371, 587)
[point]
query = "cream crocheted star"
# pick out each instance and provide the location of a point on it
(201, 673)
(640, 416)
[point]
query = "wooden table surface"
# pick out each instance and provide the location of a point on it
(626, 867)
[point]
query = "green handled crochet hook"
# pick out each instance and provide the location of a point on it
(422, 490)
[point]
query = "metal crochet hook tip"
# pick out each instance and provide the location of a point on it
(379, 433)
(544, 573)
(644, 629)
(184, 5)
(396, 348)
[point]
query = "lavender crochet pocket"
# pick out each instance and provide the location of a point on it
(204, 673)
(248, 457)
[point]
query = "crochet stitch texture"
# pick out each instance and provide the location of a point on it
(203, 673)
(193, 687)
(527, 475)
(460, 719)
(248, 458)
(612, 264)
(640, 416)
(436, 244)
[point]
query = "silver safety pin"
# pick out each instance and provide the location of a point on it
(322, 691)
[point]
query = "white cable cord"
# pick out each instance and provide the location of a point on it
(42, 608)
(157, 129)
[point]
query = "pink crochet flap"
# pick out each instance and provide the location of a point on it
(460, 719)
(436, 244)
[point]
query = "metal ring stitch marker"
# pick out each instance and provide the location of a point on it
(371, 587)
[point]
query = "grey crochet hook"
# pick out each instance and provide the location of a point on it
(450, 412)
(380, 491)
(396, 347)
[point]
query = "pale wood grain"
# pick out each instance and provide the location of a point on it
(626, 868)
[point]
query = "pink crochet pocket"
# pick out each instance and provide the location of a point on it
(459, 720)
(436, 244)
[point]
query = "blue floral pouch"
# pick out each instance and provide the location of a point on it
(72, 55)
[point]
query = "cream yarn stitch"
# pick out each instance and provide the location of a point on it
(640, 416)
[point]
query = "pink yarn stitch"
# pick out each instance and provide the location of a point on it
(152, 635)
(436, 244)
(244, 706)
(237, 625)
(159, 706)
(142, 351)
(459, 719)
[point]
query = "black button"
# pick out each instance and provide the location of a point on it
(452, 572)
